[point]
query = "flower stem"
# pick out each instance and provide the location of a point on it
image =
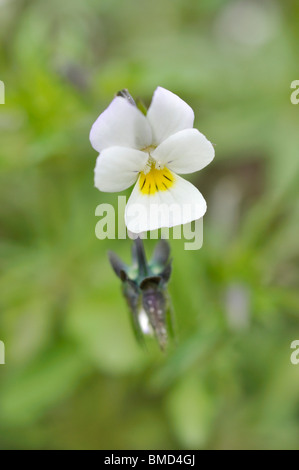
(125, 94)
(141, 257)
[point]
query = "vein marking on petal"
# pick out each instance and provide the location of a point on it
(155, 180)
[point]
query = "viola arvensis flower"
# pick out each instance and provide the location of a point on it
(152, 150)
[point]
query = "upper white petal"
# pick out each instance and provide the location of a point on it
(117, 168)
(121, 124)
(181, 204)
(168, 114)
(185, 152)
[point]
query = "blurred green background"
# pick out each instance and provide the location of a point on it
(74, 376)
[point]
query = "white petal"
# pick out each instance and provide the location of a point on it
(121, 124)
(180, 204)
(185, 152)
(117, 168)
(144, 323)
(168, 114)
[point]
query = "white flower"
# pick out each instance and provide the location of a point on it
(152, 150)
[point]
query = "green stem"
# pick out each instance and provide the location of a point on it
(141, 257)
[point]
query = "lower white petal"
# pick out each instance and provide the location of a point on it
(179, 205)
(117, 168)
(186, 151)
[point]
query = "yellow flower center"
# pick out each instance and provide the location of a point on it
(155, 178)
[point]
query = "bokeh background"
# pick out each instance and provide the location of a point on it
(74, 376)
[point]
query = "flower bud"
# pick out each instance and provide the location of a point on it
(144, 286)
